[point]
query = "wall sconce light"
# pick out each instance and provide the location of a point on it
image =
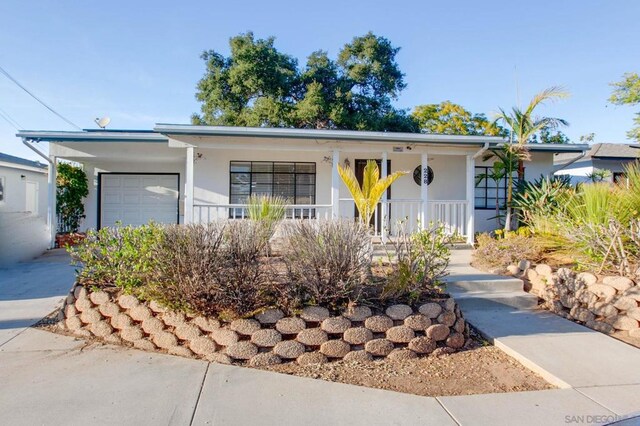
(346, 163)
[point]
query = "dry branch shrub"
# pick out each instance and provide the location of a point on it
(502, 252)
(328, 262)
(213, 269)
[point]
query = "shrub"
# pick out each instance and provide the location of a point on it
(328, 262)
(503, 251)
(542, 197)
(213, 269)
(120, 256)
(71, 189)
(269, 210)
(420, 263)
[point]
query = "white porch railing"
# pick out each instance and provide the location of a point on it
(205, 213)
(452, 213)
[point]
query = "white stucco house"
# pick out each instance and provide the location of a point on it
(186, 174)
(612, 157)
(23, 209)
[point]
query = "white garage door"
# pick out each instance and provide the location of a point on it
(135, 199)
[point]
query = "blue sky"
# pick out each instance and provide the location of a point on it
(138, 62)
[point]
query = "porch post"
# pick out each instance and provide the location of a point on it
(385, 206)
(335, 185)
(52, 218)
(424, 193)
(188, 186)
(470, 199)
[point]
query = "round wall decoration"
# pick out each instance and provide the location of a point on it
(417, 175)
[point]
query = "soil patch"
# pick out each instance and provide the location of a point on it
(478, 369)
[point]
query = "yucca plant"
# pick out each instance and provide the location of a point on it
(373, 187)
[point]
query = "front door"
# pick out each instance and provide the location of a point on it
(359, 169)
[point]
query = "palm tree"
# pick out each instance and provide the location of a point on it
(523, 126)
(367, 197)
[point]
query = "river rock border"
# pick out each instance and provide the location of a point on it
(603, 303)
(315, 336)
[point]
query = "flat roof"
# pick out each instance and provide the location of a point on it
(6, 158)
(162, 131)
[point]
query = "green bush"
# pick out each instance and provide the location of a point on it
(418, 264)
(123, 257)
(71, 189)
(328, 262)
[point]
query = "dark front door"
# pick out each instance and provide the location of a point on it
(359, 169)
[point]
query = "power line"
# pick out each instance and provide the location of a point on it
(6, 74)
(10, 120)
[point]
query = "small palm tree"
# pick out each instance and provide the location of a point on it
(524, 125)
(367, 197)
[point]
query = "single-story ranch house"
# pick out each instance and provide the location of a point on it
(610, 157)
(186, 174)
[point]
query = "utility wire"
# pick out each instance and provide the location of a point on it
(10, 120)
(6, 74)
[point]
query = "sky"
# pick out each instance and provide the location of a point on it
(138, 62)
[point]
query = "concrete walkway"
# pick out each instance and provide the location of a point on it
(57, 380)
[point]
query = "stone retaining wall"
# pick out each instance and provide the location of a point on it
(314, 336)
(606, 304)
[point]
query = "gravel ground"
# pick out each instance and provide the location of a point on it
(480, 368)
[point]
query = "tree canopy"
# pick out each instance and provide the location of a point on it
(453, 119)
(257, 85)
(627, 92)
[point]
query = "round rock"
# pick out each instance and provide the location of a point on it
(422, 345)
(455, 340)
(513, 269)
(180, 351)
(437, 332)
(270, 316)
(152, 325)
(314, 314)
(224, 337)
(187, 331)
(164, 339)
(264, 359)
(335, 325)
(401, 354)
(358, 356)
(121, 321)
(242, 350)
(309, 358)
(400, 334)
(73, 323)
(290, 325)
(357, 313)
(587, 278)
(109, 309)
(266, 338)
(173, 319)
(443, 351)
(80, 291)
(89, 316)
(417, 322)
(399, 312)
(113, 339)
(357, 335)
(447, 318)
(379, 347)
(202, 346)
(459, 326)
(312, 337)
(450, 304)
(335, 348)
(378, 323)
(289, 349)
(139, 313)
(431, 310)
(219, 358)
(83, 304)
(206, 324)
(127, 301)
(245, 327)
(623, 322)
(156, 307)
(603, 291)
(131, 333)
(144, 344)
(619, 283)
(543, 269)
(99, 297)
(101, 329)
(625, 303)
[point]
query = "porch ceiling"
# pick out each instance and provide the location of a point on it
(120, 152)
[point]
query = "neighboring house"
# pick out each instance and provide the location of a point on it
(186, 174)
(23, 209)
(611, 157)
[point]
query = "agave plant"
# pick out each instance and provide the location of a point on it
(367, 197)
(540, 198)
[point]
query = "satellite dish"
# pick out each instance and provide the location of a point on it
(103, 122)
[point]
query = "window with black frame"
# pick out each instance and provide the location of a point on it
(488, 190)
(293, 181)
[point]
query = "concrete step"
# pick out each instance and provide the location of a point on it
(483, 300)
(483, 283)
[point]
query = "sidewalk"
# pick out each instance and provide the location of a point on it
(55, 380)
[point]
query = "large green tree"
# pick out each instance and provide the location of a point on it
(627, 92)
(453, 119)
(257, 85)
